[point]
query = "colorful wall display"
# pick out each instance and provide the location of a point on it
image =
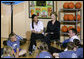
(41, 8)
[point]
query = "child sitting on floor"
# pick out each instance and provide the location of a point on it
(14, 43)
(70, 53)
(43, 51)
(79, 48)
(7, 52)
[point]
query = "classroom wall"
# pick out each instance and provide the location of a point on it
(21, 18)
(5, 20)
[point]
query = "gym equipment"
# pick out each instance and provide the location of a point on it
(71, 5)
(64, 28)
(66, 5)
(78, 5)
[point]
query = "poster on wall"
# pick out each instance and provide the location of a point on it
(41, 8)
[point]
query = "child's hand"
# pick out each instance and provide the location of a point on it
(56, 55)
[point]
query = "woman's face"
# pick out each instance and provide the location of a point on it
(53, 17)
(35, 18)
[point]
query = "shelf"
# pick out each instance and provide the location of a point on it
(66, 33)
(70, 21)
(67, 22)
(71, 9)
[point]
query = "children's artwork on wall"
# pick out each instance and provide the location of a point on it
(32, 11)
(41, 8)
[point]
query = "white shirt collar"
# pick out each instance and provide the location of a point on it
(74, 37)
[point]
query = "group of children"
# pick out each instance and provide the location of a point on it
(73, 49)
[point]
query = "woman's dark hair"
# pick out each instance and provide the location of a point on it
(33, 20)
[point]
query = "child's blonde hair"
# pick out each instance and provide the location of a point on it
(7, 51)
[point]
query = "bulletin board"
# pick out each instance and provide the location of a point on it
(41, 8)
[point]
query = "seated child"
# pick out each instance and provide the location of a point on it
(72, 35)
(70, 53)
(79, 50)
(7, 52)
(43, 51)
(14, 43)
(17, 36)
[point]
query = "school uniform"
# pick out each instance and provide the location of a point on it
(69, 40)
(74, 37)
(68, 54)
(15, 44)
(19, 37)
(8, 57)
(79, 52)
(37, 27)
(44, 54)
